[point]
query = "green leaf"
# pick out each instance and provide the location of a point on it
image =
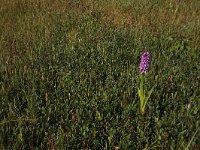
(148, 95)
(139, 93)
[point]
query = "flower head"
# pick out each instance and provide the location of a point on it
(144, 64)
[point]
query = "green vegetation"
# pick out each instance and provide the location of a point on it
(69, 74)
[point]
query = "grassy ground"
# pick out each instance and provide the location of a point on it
(69, 74)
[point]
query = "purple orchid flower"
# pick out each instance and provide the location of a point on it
(144, 64)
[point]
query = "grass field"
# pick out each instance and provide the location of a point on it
(69, 74)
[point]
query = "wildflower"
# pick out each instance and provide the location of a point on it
(143, 93)
(144, 64)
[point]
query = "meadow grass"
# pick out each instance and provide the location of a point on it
(69, 73)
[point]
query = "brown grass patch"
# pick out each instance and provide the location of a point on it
(173, 16)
